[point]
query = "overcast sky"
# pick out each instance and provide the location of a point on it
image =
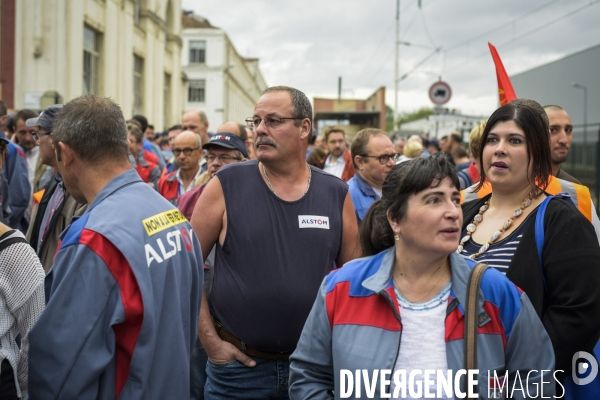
(308, 44)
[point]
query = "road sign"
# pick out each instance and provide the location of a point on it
(440, 93)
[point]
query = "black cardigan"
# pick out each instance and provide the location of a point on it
(571, 257)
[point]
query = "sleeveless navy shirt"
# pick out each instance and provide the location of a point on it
(275, 255)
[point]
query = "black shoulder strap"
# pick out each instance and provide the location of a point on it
(5, 243)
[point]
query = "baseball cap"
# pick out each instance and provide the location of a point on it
(46, 118)
(3, 137)
(227, 140)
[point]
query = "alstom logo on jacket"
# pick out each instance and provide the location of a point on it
(120, 288)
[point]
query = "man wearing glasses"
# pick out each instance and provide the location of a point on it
(279, 226)
(374, 157)
(222, 149)
(227, 127)
(188, 152)
(57, 207)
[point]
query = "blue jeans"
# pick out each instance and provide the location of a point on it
(233, 380)
(198, 371)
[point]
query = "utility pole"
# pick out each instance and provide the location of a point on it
(396, 74)
(585, 98)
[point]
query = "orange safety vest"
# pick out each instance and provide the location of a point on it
(579, 194)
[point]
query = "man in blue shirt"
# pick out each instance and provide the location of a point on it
(374, 157)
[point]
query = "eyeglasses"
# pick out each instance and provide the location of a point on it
(38, 136)
(224, 159)
(187, 151)
(270, 122)
(34, 134)
(385, 158)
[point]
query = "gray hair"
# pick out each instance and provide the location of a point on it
(301, 107)
(203, 117)
(94, 127)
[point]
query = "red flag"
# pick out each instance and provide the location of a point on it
(505, 89)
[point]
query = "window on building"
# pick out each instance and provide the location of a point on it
(138, 85)
(91, 55)
(136, 11)
(167, 99)
(196, 91)
(197, 51)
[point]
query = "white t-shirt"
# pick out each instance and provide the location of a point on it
(423, 344)
(182, 188)
(336, 168)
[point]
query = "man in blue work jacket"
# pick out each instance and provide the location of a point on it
(123, 295)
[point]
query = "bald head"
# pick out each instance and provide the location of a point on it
(187, 137)
(187, 151)
(235, 128)
(561, 135)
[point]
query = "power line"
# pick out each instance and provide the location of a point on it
(422, 46)
(410, 24)
(427, 29)
(369, 60)
(534, 30)
(423, 61)
(501, 26)
(381, 67)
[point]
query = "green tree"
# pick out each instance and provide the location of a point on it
(405, 117)
(389, 118)
(413, 116)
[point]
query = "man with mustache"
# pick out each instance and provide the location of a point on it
(272, 252)
(561, 136)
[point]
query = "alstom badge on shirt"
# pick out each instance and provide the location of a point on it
(313, 221)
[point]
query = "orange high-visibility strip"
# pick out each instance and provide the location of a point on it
(554, 187)
(584, 201)
(485, 190)
(37, 196)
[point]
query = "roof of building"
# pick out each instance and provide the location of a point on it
(191, 20)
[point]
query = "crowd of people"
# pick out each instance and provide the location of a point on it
(262, 259)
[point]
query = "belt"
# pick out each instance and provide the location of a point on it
(244, 348)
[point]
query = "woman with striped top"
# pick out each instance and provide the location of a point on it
(498, 230)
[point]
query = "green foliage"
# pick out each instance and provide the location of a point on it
(413, 116)
(405, 117)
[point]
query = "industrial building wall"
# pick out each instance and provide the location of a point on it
(552, 84)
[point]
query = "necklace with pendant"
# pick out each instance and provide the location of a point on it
(472, 227)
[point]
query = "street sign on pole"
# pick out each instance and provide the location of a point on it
(440, 93)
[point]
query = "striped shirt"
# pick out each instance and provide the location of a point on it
(500, 253)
